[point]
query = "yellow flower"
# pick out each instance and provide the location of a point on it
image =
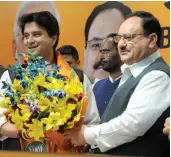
(72, 123)
(35, 129)
(5, 102)
(68, 111)
(25, 111)
(53, 121)
(17, 86)
(60, 103)
(39, 80)
(74, 87)
(54, 84)
(17, 119)
(44, 103)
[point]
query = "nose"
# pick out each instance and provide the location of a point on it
(101, 54)
(102, 57)
(121, 44)
(30, 40)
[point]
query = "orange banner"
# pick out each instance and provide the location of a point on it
(73, 16)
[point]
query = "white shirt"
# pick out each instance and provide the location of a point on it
(150, 99)
(92, 114)
(111, 79)
(95, 81)
(91, 117)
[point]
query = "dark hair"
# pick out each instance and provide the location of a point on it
(111, 35)
(125, 10)
(150, 24)
(69, 50)
(167, 4)
(44, 19)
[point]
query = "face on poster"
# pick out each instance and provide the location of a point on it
(72, 25)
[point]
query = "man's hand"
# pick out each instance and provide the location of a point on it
(166, 129)
(9, 130)
(76, 135)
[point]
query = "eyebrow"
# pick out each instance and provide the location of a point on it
(33, 32)
(111, 35)
(104, 50)
(96, 38)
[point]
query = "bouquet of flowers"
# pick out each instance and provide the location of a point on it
(40, 98)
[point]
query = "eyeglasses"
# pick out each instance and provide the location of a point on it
(126, 37)
(94, 44)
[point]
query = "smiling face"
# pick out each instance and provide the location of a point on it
(36, 39)
(18, 43)
(137, 48)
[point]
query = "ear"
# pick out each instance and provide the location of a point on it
(78, 62)
(54, 38)
(152, 40)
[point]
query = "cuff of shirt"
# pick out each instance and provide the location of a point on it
(2, 121)
(2, 137)
(91, 135)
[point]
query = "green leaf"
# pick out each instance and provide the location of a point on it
(21, 54)
(43, 113)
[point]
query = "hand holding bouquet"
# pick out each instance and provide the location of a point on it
(41, 98)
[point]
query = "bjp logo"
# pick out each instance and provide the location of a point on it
(36, 147)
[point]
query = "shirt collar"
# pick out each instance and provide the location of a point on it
(138, 67)
(111, 79)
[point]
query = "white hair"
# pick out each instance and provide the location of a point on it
(24, 5)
